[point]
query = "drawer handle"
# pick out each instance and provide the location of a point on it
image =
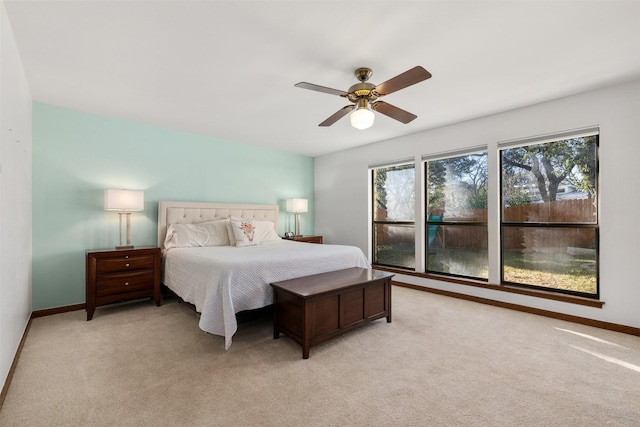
(126, 283)
(126, 265)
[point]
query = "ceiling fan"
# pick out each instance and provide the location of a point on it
(364, 96)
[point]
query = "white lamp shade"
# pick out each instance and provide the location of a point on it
(123, 200)
(297, 205)
(362, 118)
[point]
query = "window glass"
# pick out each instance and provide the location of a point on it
(395, 245)
(550, 182)
(394, 193)
(394, 216)
(459, 250)
(550, 215)
(561, 258)
(456, 222)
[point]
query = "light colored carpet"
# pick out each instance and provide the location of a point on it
(442, 362)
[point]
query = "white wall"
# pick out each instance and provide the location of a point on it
(15, 198)
(341, 190)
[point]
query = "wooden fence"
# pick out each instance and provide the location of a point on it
(562, 211)
(474, 236)
(570, 211)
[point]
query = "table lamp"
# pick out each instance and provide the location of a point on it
(297, 206)
(125, 202)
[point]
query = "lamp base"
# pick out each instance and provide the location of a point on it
(297, 233)
(122, 245)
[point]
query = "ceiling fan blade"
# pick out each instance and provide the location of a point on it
(408, 78)
(392, 111)
(317, 88)
(337, 116)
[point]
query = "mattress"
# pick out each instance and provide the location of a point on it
(221, 281)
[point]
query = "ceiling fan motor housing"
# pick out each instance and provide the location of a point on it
(362, 90)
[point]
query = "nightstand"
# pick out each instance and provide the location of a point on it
(308, 239)
(122, 274)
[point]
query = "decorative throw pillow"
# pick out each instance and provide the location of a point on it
(244, 232)
(264, 231)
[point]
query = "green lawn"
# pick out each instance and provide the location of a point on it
(556, 270)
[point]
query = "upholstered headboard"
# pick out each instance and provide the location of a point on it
(194, 212)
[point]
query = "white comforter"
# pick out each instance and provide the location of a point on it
(224, 280)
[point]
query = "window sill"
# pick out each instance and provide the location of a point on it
(571, 299)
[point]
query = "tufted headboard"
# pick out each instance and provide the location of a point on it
(194, 212)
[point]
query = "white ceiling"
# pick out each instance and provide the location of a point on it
(228, 68)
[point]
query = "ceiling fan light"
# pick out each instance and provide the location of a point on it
(362, 118)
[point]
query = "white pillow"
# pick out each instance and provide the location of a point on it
(210, 233)
(231, 234)
(247, 232)
(265, 231)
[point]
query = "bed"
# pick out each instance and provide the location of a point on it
(224, 277)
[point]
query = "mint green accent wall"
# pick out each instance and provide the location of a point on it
(77, 155)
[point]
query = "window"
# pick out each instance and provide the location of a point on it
(550, 216)
(545, 211)
(456, 216)
(394, 216)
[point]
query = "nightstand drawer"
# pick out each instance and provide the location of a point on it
(123, 263)
(109, 284)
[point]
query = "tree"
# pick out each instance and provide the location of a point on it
(472, 172)
(552, 163)
(380, 178)
(436, 180)
(467, 174)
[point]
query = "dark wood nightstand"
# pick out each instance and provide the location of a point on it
(122, 274)
(308, 239)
